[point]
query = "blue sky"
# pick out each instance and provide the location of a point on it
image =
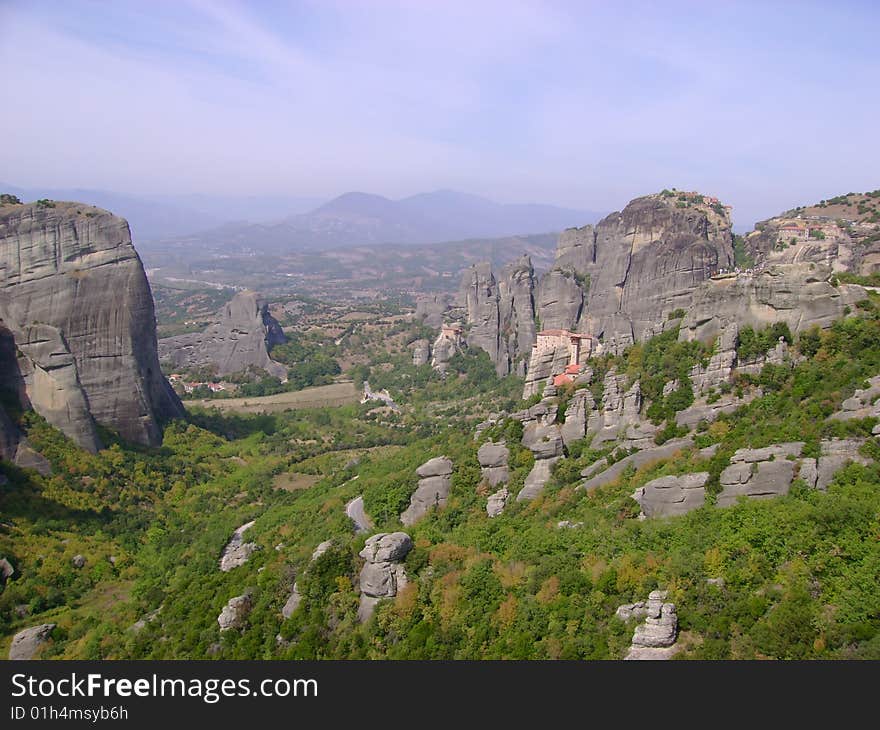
(586, 104)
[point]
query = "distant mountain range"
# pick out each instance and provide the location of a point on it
(162, 216)
(362, 219)
(276, 224)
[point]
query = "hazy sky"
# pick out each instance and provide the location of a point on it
(586, 104)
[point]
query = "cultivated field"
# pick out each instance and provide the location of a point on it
(321, 396)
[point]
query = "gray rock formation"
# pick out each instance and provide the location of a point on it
(599, 477)
(237, 552)
(544, 440)
(577, 414)
(720, 367)
(672, 495)
(447, 344)
(800, 295)
(76, 302)
(78, 561)
(541, 369)
(621, 279)
(432, 490)
(430, 309)
(239, 339)
(26, 643)
(295, 598)
(493, 462)
(235, 612)
(864, 403)
(834, 454)
(497, 502)
(501, 313)
(620, 416)
(358, 515)
(383, 574)
(421, 350)
(654, 638)
(759, 473)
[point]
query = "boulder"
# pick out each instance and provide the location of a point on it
(382, 575)
(497, 502)
(6, 570)
(432, 490)
(26, 643)
(79, 561)
(654, 638)
(672, 495)
(235, 612)
(493, 462)
(759, 473)
(835, 454)
(544, 441)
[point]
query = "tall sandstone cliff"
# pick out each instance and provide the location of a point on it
(240, 338)
(501, 313)
(78, 312)
(620, 279)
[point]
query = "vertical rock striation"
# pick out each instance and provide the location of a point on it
(76, 301)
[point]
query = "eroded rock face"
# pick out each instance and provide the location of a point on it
(493, 462)
(432, 490)
(759, 473)
(497, 502)
(383, 574)
(654, 638)
(621, 279)
(26, 643)
(672, 495)
(799, 294)
(239, 339)
(430, 309)
(577, 414)
(544, 440)
(541, 369)
(421, 350)
(237, 551)
(501, 312)
(76, 301)
(235, 612)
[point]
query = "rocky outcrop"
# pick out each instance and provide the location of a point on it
(78, 307)
(543, 439)
(672, 495)
(654, 638)
(621, 279)
(493, 462)
(579, 409)
(759, 473)
(6, 570)
(864, 403)
(235, 612)
(295, 598)
(240, 339)
(801, 295)
(620, 418)
(598, 476)
(237, 551)
(421, 350)
(432, 490)
(430, 309)
(383, 574)
(541, 369)
(358, 515)
(720, 367)
(497, 502)
(501, 313)
(25, 644)
(447, 344)
(834, 454)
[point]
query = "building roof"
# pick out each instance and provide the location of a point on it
(561, 379)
